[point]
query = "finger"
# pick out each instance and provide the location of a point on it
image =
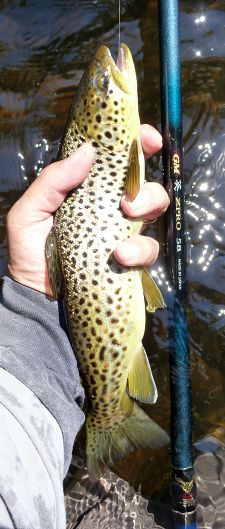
(151, 201)
(151, 140)
(50, 188)
(137, 251)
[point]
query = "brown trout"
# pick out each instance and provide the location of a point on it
(104, 300)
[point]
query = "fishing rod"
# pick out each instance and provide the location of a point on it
(183, 488)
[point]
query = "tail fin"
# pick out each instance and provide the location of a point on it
(106, 446)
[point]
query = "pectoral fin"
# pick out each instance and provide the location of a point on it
(152, 293)
(54, 272)
(141, 384)
(132, 185)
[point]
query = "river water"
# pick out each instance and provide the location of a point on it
(44, 48)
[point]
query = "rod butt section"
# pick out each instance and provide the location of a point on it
(183, 494)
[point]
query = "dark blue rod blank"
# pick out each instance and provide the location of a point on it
(183, 489)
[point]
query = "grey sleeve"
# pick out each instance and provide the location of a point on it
(35, 348)
(31, 460)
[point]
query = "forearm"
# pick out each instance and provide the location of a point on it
(31, 460)
(35, 349)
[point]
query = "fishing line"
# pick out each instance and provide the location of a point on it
(119, 21)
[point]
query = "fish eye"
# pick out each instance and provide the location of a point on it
(101, 81)
(105, 81)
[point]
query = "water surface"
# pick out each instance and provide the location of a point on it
(44, 48)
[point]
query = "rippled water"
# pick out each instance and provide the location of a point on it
(44, 48)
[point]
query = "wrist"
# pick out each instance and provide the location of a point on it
(40, 283)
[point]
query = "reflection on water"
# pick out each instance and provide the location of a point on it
(43, 54)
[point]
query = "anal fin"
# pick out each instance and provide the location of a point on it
(152, 293)
(141, 384)
(54, 271)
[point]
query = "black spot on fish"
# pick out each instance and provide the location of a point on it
(82, 300)
(98, 118)
(109, 299)
(103, 105)
(101, 353)
(108, 134)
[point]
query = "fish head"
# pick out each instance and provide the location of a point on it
(106, 108)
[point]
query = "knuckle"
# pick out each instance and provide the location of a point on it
(10, 218)
(152, 253)
(155, 248)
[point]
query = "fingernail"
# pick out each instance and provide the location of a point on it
(127, 253)
(139, 203)
(85, 151)
(148, 128)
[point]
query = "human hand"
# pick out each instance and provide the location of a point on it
(30, 219)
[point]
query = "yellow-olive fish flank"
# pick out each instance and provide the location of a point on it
(104, 301)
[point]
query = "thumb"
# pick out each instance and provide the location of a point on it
(50, 188)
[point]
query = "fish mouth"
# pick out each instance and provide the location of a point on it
(123, 71)
(122, 57)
